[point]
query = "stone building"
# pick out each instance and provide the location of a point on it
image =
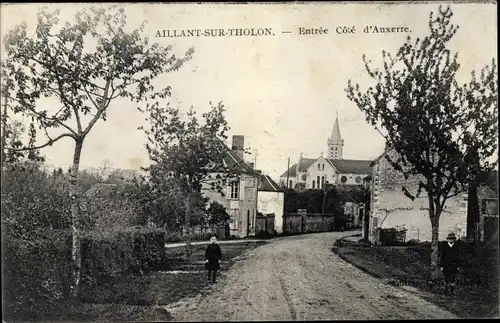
(240, 196)
(391, 208)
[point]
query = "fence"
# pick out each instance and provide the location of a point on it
(314, 222)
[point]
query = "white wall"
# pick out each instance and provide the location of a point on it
(272, 202)
(313, 172)
(395, 209)
(351, 178)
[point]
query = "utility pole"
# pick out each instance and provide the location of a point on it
(288, 174)
(255, 160)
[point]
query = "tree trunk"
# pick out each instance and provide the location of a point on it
(434, 217)
(74, 195)
(4, 135)
(472, 211)
(187, 225)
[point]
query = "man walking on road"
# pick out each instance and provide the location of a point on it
(213, 254)
(449, 263)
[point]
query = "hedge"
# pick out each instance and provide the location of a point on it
(112, 255)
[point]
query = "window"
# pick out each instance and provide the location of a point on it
(235, 190)
(336, 148)
(313, 185)
(318, 182)
(343, 179)
(323, 167)
(304, 177)
(358, 179)
(235, 219)
(291, 186)
(319, 166)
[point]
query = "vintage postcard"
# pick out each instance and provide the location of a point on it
(249, 161)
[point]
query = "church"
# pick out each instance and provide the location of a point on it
(314, 173)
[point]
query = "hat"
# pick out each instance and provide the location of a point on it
(451, 236)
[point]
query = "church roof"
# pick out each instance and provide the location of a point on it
(305, 163)
(293, 171)
(266, 184)
(335, 137)
(352, 166)
(345, 166)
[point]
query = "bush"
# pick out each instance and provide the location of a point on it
(106, 257)
(202, 236)
(174, 237)
(263, 235)
(391, 236)
(35, 273)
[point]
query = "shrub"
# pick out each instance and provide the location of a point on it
(35, 272)
(391, 236)
(109, 256)
(263, 235)
(173, 237)
(202, 236)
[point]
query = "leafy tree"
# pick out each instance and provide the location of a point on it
(188, 154)
(217, 214)
(444, 132)
(84, 66)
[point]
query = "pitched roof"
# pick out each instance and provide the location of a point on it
(100, 189)
(335, 137)
(231, 160)
(266, 184)
(352, 166)
(304, 163)
(382, 155)
(292, 173)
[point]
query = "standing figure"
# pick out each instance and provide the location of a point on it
(449, 263)
(213, 254)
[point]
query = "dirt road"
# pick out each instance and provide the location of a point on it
(300, 278)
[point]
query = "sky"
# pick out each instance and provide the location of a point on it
(282, 91)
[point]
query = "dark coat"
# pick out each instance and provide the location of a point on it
(213, 254)
(449, 256)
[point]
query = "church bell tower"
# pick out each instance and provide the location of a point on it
(335, 142)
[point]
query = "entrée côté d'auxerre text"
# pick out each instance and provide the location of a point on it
(221, 32)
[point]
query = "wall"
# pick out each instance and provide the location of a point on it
(272, 202)
(296, 223)
(265, 223)
(239, 209)
(391, 208)
(291, 178)
(351, 178)
(313, 172)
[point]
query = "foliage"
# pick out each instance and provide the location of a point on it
(333, 196)
(32, 200)
(112, 255)
(391, 236)
(443, 132)
(217, 214)
(85, 66)
(187, 156)
(34, 271)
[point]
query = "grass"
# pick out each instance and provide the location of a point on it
(477, 283)
(140, 297)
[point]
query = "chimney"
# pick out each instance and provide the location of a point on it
(238, 145)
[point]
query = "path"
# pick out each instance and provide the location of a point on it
(300, 278)
(196, 243)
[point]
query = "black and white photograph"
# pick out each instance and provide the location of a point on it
(246, 161)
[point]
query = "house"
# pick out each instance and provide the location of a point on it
(391, 208)
(240, 195)
(314, 173)
(271, 200)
